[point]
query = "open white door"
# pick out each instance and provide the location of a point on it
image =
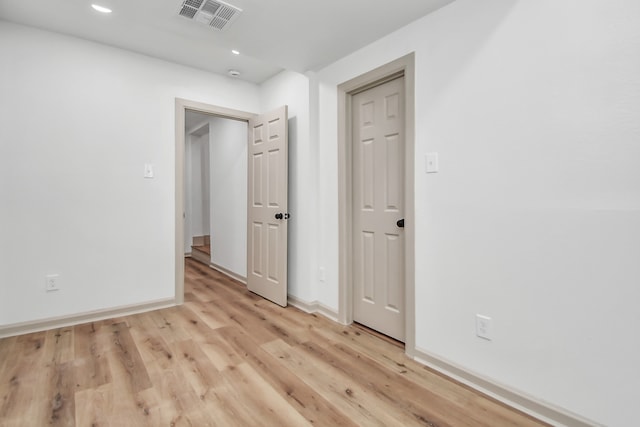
(267, 206)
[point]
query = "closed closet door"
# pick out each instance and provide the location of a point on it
(378, 208)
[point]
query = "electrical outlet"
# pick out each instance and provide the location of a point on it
(322, 274)
(52, 282)
(483, 327)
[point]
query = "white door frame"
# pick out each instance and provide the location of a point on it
(182, 105)
(401, 67)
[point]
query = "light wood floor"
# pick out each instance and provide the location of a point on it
(228, 358)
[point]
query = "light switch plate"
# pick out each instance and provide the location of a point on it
(148, 170)
(432, 162)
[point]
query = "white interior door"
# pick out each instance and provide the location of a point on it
(378, 206)
(267, 206)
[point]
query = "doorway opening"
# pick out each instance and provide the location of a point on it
(202, 117)
(216, 192)
(361, 248)
(265, 166)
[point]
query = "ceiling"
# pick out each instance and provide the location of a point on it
(271, 35)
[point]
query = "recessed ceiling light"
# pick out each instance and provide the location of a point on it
(235, 52)
(101, 9)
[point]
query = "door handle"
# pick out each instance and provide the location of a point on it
(280, 215)
(400, 223)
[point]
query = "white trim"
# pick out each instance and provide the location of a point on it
(229, 273)
(89, 316)
(313, 307)
(541, 410)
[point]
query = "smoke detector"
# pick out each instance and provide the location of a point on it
(214, 13)
(234, 73)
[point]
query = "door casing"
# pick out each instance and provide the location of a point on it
(182, 105)
(401, 67)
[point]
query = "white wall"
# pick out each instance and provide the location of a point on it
(199, 204)
(78, 121)
(228, 160)
(534, 218)
(292, 89)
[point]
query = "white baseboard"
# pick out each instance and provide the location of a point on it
(200, 257)
(313, 307)
(76, 319)
(539, 409)
(229, 273)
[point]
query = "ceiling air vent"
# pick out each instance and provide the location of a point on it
(214, 13)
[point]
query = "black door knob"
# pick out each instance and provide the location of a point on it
(279, 215)
(400, 223)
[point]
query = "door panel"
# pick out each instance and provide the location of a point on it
(256, 170)
(267, 235)
(378, 203)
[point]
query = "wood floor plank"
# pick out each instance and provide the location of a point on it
(94, 406)
(350, 397)
(125, 361)
(259, 398)
(486, 410)
(91, 338)
(59, 345)
(204, 311)
(363, 341)
(305, 399)
(62, 389)
(196, 367)
(156, 410)
(190, 297)
(190, 322)
(146, 334)
(270, 317)
(169, 331)
(20, 381)
(176, 396)
(91, 365)
(226, 404)
(229, 358)
(240, 318)
(7, 350)
(220, 352)
(202, 291)
(392, 389)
